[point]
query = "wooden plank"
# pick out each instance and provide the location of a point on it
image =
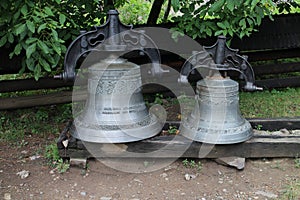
(279, 83)
(32, 84)
(267, 124)
(273, 124)
(276, 68)
(260, 146)
(39, 100)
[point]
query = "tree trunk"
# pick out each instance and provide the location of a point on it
(167, 11)
(154, 13)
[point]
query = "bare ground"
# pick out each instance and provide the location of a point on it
(261, 179)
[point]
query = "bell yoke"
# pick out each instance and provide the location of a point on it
(115, 110)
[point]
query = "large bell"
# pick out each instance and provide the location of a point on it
(115, 110)
(216, 118)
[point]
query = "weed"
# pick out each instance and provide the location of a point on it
(258, 127)
(158, 99)
(277, 166)
(62, 166)
(172, 130)
(54, 160)
(192, 164)
(297, 162)
(292, 191)
(40, 121)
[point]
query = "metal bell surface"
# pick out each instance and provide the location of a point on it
(216, 118)
(115, 110)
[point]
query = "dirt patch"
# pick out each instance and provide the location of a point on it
(261, 179)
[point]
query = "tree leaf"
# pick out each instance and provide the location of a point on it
(208, 31)
(230, 5)
(30, 40)
(30, 26)
(37, 72)
(30, 50)
(16, 15)
(20, 29)
(45, 64)
(220, 32)
(43, 46)
(62, 19)
(3, 40)
(57, 49)
(10, 37)
(55, 35)
(42, 27)
(24, 9)
(221, 25)
(175, 4)
(30, 63)
(242, 23)
(217, 5)
(18, 49)
(48, 11)
(4, 4)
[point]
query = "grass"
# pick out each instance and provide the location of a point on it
(39, 121)
(291, 191)
(53, 159)
(269, 104)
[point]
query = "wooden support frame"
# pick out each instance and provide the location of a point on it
(264, 144)
(260, 146)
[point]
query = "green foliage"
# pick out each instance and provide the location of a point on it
(292, 190)
(172, 130)
(135, 12)
(199, 18)
(158, 99)
(38, 29)
(15, 124)
(297, 162)
(54, 160)
(268, 104)
(192, 164)
(51, 153)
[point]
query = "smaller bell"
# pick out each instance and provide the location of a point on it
(217, 118)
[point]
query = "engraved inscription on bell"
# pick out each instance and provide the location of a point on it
(216, 118)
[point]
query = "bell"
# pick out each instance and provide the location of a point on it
(217, 118)
(115, 110)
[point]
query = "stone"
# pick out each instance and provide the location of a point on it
(23, 174)
(105, 198)
(164, 175)
(34, 157)
(188, 177)
(236, 162)
(266, 194)
(78, 162)
(7, 196)
(83, 193)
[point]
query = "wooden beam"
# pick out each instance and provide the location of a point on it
(267, 124)
(32, 84)
(279, 83)
(39, 100)
(276, 68)
(260, 146)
